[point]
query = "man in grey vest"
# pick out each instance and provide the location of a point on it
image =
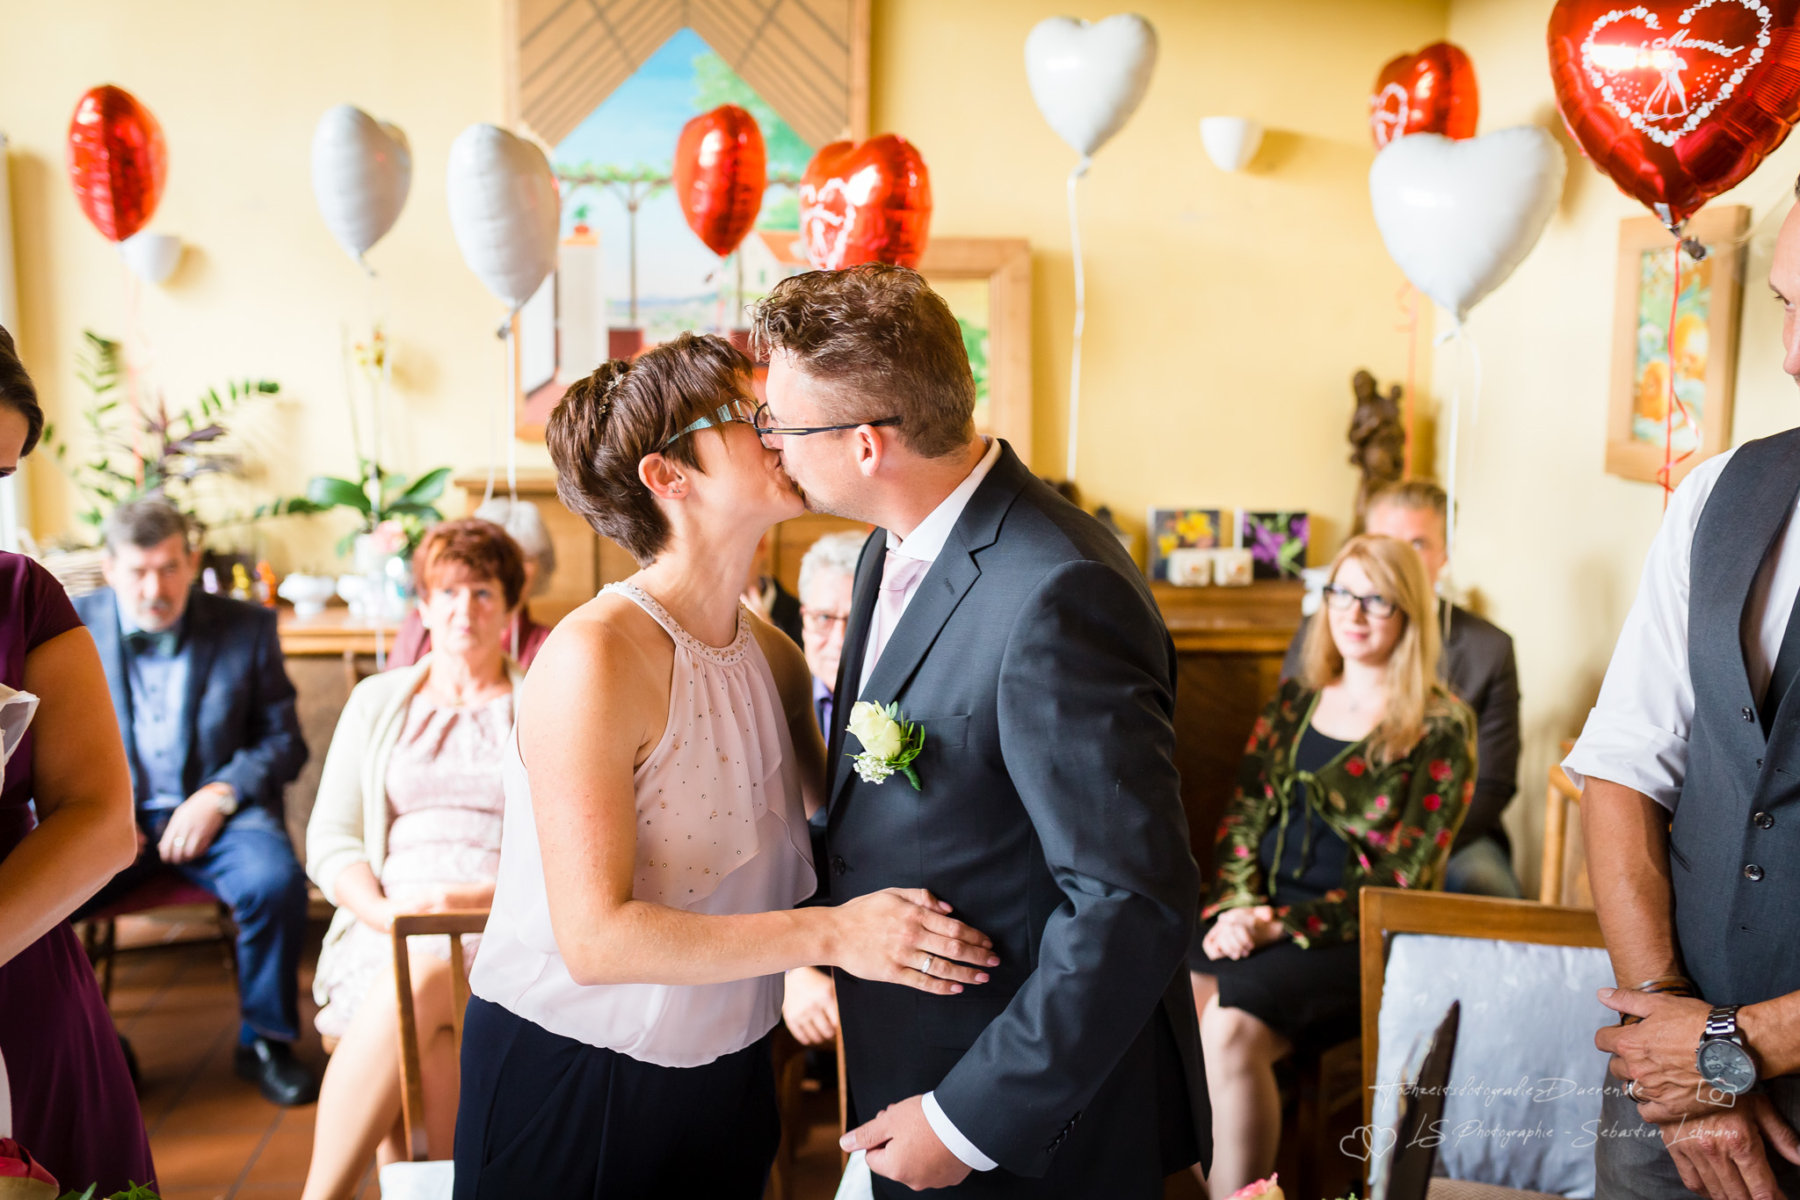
(1690, 774)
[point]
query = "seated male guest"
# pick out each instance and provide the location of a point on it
(522, 636)
(1478, 665)
(827, 577)
(207, 713)
(1357, 775)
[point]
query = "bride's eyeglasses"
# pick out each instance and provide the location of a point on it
(741, 409)
(772, 433)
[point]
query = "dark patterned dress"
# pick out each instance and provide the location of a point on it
(72, 1101)
(1388, 824)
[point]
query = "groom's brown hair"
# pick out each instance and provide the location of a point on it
(883, 342)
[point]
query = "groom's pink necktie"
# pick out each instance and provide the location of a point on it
(900, 577)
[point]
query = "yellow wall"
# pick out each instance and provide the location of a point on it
(1551, 542)
(264, 290)
(1226, 313)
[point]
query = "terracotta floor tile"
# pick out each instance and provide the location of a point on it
(283, 1159)
(203, 1159)
(194, 1193)
(237, 1109)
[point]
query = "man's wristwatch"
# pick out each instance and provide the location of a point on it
(1724, 1060)
(226, 797)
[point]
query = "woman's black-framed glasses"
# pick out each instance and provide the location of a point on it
(764, 421)
(736, 410)
(1343, 599)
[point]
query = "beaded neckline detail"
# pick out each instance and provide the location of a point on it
(719, 654)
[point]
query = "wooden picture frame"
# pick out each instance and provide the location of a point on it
(1705, 349)
(1003, 267)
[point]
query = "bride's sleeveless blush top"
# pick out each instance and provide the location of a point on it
(721, 829)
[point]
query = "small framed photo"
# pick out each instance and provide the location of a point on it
(1694, 332)
(1276, 541)
(1173, 529)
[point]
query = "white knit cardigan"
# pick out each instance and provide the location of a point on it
(350, 818)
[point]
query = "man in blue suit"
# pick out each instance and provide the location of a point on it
(207, 715)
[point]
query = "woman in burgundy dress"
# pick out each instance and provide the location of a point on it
(72, 1101)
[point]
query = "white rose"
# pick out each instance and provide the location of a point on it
(878, 732)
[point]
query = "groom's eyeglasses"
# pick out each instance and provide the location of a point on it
(772, 433)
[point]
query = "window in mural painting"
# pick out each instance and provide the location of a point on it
(631, 273)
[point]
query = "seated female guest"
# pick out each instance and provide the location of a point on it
(522, 636)
(65, 829)
(656, 839)
(408, 820)
(1357, 775)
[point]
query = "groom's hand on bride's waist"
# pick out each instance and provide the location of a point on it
(903, 1147)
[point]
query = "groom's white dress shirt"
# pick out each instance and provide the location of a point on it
(908, 560)
(1637, 732)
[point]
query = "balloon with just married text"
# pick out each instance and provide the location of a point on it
(1676, 101)
(1459, 216)
(1432, 91)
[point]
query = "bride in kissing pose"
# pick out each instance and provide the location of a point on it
(655, 840)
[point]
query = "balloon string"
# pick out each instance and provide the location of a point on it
(1075, 175)
(1409, 305)
(1456, 335)
(512, 440)
(1665, 477)
(133, 349)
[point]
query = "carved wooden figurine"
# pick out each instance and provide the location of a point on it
(1377, 438)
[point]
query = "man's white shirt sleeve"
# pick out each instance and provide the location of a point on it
(1637, 732)
(952, 1137)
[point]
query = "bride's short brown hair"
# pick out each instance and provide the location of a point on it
(883, 342)
(627, 409)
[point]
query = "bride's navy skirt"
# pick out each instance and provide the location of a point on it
(545, 1115)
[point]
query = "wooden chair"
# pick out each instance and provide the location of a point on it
(1319, 1104)
(419, 1178)
(1558, 799)
(790, 1072)
(165, 889)
(1388, 911)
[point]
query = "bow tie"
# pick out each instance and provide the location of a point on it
(161, 644)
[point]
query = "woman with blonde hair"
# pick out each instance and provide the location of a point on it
(1357, 774)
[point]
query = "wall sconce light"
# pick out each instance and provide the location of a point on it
(1231, 142)
(152, 257)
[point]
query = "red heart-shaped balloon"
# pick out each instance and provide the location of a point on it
(865, 203)
(721, 169)
(1676, 101)
(117, 161)
(1432, 91)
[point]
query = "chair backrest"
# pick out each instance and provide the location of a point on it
(1561, 799)
(1526, 1076)
(412, 1088)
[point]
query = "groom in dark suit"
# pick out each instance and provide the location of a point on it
(1015, 632)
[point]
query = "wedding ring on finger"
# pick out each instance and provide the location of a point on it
(930, 961)
(1631, 1093)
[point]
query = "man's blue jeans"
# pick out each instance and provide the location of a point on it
(1482, 868)
(251, 867)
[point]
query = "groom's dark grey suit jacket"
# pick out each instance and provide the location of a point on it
(1036, 661)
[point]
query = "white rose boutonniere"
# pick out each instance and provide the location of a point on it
(890, 742)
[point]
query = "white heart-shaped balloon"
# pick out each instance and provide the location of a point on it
(1088, 79)
(504, 211)
(1459, 216)
(361, 172)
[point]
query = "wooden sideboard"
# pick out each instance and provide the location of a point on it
(1229, 643)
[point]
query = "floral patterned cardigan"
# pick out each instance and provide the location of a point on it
(1398, 819)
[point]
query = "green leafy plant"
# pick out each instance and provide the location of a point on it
(137, 1191)
(378, 497)
(162, 453)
